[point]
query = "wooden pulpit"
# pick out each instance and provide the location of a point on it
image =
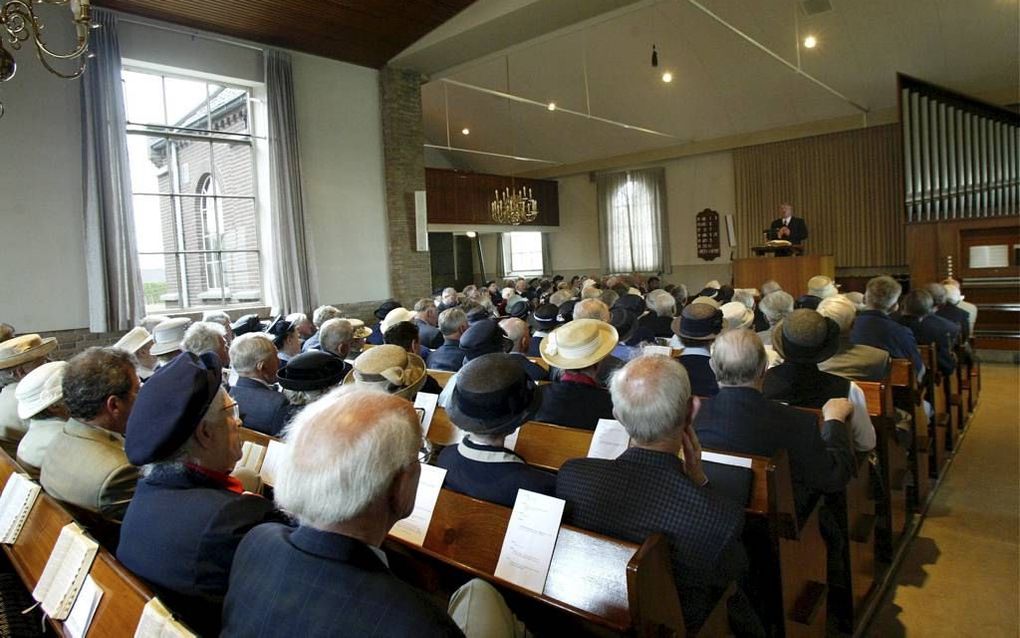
(792, 273)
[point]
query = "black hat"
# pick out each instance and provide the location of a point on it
(565, 312)
(278, 330)
(631, 303)
(484, 337)
(170, 406)
(246, 324)
(725, 294)
(478, 314)
(623, 320)
(708, 292)
(518, 309)
(385, 308)
(641, 335)
(805, 336)
(698, 321)
(807, 301)
(493, 395)
(312, 370)
(544, 317)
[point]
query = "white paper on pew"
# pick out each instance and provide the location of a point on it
(427, 402)
(252, 457)
(414, 528)
(84, 609)
(530, 540)
(510, 442)
(271, 461)
(609, 441)
(665, 351)
(725, 459)
(16, 503)
(156, 621)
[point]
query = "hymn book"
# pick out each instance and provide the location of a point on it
(158, 622)
(65, 571)
(530, 540)
(16, 503)
(84, 609)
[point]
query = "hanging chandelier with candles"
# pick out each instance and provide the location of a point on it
(19, 23)
(514, 206)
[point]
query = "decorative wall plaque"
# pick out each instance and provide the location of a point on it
(708, 234)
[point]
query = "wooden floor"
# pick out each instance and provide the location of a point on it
(960, 575)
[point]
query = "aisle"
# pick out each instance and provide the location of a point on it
(960, 576)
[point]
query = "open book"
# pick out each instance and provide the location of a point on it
(158, 622)
(15, 504)
(65, 571)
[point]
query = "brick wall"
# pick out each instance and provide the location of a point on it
(404, 153)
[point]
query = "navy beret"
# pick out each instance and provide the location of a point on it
(170, 406)
(484, 337)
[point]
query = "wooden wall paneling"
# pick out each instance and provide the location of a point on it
(457, 197)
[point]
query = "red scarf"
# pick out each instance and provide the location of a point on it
(221, 479)
(576, 377)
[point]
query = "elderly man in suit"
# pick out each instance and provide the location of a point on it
(85, 465)
(876, 328)
(653, 401)
(336, 337)
(427, 320)
(793, 229)
(263, 406)
(518, 332)
(856, 362)
(917, 312)
(321, 315)
(18, 357)
(348, 472)
(577, 399)
(188, 513)
(449, 356)
(661, 310)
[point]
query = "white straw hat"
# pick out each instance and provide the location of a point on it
(579, 344)
(168, 335)
(361, 331)
(25, 348)
(40, 389)
(395, 316)
(736, 315)
(134, 340)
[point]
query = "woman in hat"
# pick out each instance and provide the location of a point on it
(493, 397)
(390, 368)
(286, 339)
(139, 342)
(310, 375)
(41, 403)
(18, 357)
(577, 399)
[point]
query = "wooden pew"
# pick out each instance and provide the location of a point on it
(892, 462)
(939, 424)
(124, 595)
(441, 376)
(595, 584)
(909, 395)
(256, 437)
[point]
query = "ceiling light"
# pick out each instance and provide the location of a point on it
(471, 234)
(552, 106)
(667, 77)
(810, 42)
(465, 131)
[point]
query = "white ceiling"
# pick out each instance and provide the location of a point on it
(723, 85)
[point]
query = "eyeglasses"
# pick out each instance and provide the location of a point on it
(235, 409)
(423, 451)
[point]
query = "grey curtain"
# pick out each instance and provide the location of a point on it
(501, 256)
(290, 288)
(633, 221)
(115, 295)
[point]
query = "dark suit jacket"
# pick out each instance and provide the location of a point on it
(262, 408)
(535, 371)
(803, 385)
(304, 582)
(876, 329)
(449, 356)
(574, 405)
(533, 349)
(703, 383)
(741, 420)
(491, 474)
(938, 331)
(180, 533)
(428, 335)
(311, 343)
(958, 316)
(643, 492)
(376, 338)
(798, 229)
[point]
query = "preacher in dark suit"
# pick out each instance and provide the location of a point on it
(188, 513)
(793, 229)
(262, 406)
(649, 490)
(358, 475)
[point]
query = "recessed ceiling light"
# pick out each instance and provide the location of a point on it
(465, 131)
(810, 42)
(471, 234)
(667, 77)
(552, 106)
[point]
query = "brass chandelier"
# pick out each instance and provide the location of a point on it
(19, 23)
(514, 206)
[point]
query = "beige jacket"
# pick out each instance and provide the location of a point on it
(85, 466)
(857, 362)
(33, 446)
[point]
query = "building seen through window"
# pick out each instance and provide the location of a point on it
(522, 254)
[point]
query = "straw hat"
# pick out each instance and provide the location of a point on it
(40, 389)
(579, 344)
(705, 300)
(736, 315)
(134, 340)
(19, 350)
(805, 337)
(390, 368)
(395, 316)
(168, 335)
(361, 331)
(821, 286)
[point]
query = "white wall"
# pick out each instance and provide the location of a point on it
(42, 265)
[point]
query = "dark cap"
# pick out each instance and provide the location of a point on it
(805, 336)
(544, 317)
(170, 406)
(809, 302)
(493, 395)
(386, 308)
(484, 337)
(631, 303)
(478, 314)
(623, 320)
(725, 294)
(698, 321)
(565, 312)
(278, 330)
(518, 309)
(246, 324)
(312, 370)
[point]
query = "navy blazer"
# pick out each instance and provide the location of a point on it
(876, 329)
(180, 533)
(535, 371)
(574, 405)
(376, 338)
(741, 420)
(428, 335)
(534, 350)
(491, 473)
(311, 343)
(703, 383)
(262, 408)
(798, 229)
(958, 316)
(937, 331)
(643, 492)
(449, 356)
(305, 582)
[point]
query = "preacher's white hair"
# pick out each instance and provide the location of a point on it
(248, 350)
(203, 336)
(738, 358)
(342, 453)
(650, 397)
(661, 303)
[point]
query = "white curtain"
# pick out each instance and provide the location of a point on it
(290, 288)
(632, 221)
(115, 295)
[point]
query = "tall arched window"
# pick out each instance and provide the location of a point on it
(210, 210)
(632, 208)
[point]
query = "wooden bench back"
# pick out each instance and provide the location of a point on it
(878, 396)
(124, 595)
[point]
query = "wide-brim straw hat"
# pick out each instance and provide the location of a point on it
(40, 389)
(395, 316)
(134, 340)
(22, 349)
(361, 331)
(705, 300)
(805, 336)
(390, 368)
(168, 335)
(821, 286)
(579, 344)
(736, 315)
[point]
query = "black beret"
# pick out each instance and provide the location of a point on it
(170, 406)
(386, 308)
(484, 337)
(246, 324)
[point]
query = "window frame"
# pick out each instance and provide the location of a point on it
(508, 254)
